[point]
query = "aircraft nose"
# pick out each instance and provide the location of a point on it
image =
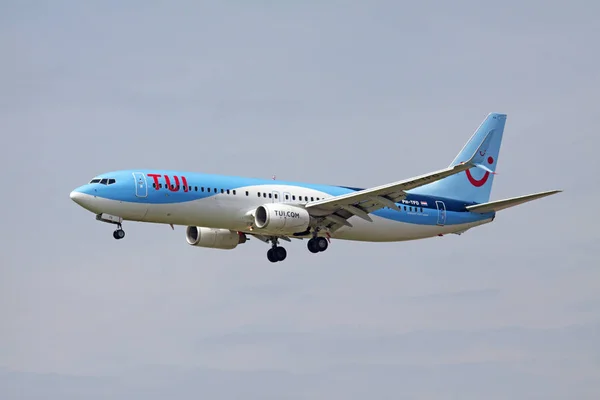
(81, 196)
(76, 196)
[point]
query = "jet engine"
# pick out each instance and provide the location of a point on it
(214, 238)
(281, 218)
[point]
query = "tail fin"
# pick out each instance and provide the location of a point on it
(475, 184)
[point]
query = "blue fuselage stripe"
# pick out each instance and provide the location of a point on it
(140, 186)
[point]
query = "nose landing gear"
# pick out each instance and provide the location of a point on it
(113, 219)
(119, 233)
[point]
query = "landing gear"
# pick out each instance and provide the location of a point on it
(119, 233)
(317, 244)
(113, 219)
(276, 253)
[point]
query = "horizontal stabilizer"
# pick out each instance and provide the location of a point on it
(507, 203)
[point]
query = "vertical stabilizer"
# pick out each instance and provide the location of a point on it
(475, 184)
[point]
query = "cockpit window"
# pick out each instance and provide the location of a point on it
(104, 181)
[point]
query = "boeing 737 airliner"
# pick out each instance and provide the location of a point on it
(224, 211)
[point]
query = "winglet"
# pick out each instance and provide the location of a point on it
(486, 169)
(478, 157)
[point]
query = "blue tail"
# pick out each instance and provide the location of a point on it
(475, 184)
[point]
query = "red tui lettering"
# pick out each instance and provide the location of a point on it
(168, 183)
(155, 177)
(184, 183)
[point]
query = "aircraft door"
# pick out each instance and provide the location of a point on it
(276, 197)
(441, 207)
(141, 186)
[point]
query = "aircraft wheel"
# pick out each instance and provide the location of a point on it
(119, 234)
(280, 253)
(271, 255)
(321, 244)
(312, 246)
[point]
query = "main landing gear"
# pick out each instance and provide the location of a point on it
(317, 244)
(119, 233)
(276, 253)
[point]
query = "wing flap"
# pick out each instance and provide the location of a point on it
(507, 203)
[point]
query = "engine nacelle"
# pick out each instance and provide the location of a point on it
(214, 238)
(281, 218)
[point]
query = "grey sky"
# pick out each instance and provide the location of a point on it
(508, 310)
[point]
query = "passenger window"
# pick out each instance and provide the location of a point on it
(258, 193)
(270, 196)
(202, 188)
(264, 195)
(215, 190)
(247, 193)
(196, 188)
(293, 197)
(312, 199)
(287, 197)
(208, 190)
(275, 195)
(154, 185)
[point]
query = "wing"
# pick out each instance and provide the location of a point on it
(335, 211)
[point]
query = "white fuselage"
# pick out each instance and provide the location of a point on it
(233, 212)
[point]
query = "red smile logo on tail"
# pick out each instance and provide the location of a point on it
(482, 181)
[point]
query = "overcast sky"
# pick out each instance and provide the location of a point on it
(349, 93)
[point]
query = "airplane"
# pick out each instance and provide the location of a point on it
(222, 212)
